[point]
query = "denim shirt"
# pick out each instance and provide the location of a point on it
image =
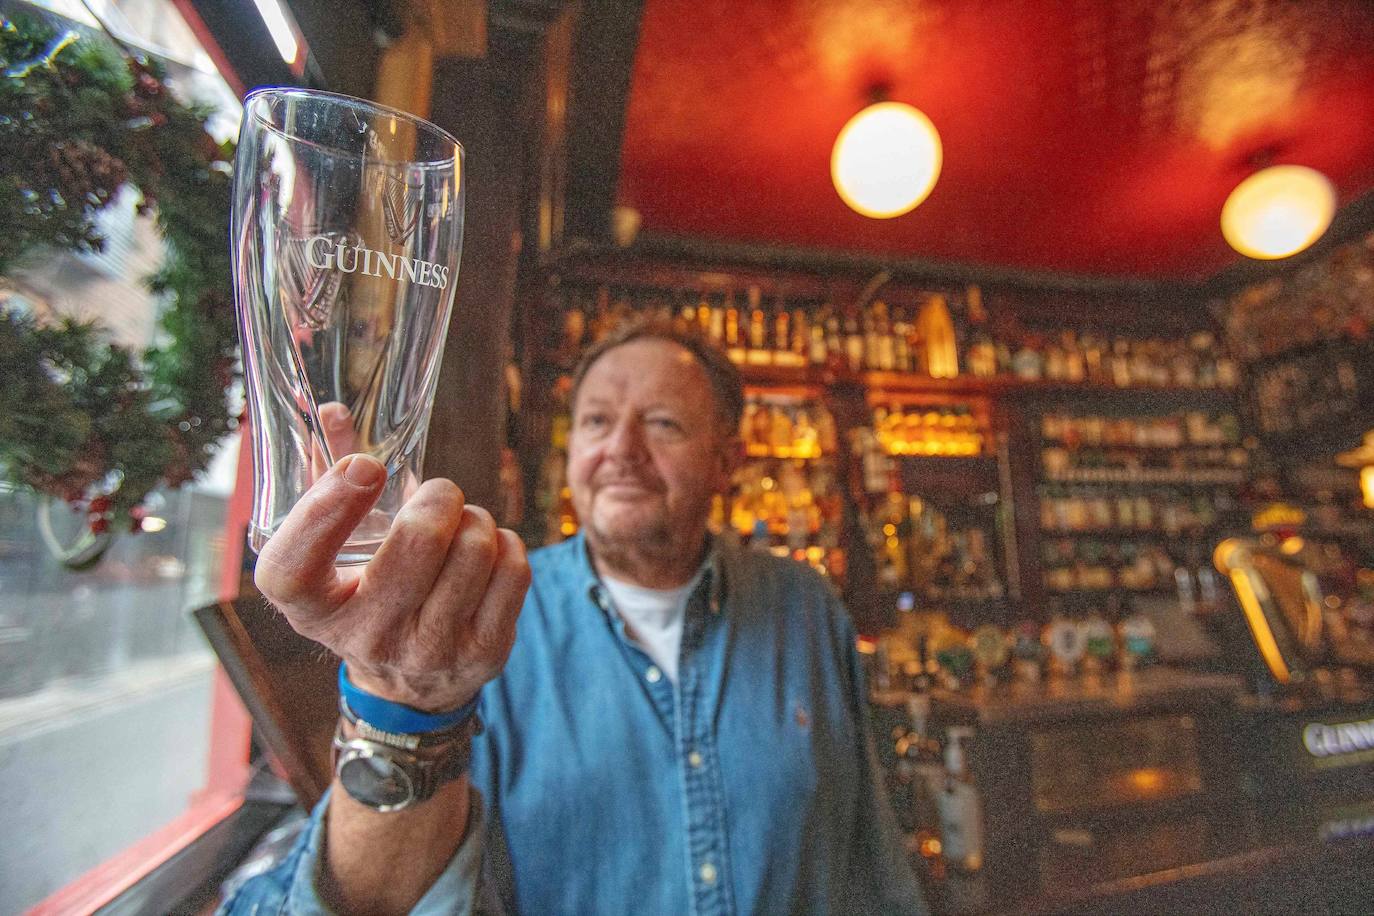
(750, 786)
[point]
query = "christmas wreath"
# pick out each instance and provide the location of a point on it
(83, 420)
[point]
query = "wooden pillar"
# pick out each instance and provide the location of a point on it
(441, 68)
(478, 100)
(405, 72)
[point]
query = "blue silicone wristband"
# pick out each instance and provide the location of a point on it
(397, 717)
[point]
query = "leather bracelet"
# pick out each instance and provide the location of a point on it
(397, 718)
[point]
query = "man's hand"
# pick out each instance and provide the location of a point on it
(431, 617)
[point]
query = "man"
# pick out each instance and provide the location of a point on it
(679, 727)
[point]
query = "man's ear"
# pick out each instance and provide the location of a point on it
(730, 456)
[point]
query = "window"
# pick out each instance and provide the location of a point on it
(116, 728)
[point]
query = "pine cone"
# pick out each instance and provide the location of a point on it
(86, 173)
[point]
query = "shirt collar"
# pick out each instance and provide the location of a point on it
(712, 585)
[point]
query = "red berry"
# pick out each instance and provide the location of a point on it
(100, 505)
(100, 525)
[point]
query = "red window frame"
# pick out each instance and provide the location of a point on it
(230, 734)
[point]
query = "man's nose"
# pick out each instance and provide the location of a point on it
(626, 441)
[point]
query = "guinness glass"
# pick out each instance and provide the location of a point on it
(346, 230)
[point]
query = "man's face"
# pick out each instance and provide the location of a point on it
(646, 452)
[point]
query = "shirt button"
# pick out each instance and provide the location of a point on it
(708, 873)
(694, 759)
(653, 675)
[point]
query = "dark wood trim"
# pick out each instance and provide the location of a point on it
(481, 101)
(242, 35)
(603, 54)
(189, 881)
(340, 35)
(830, 261)
(285, 681)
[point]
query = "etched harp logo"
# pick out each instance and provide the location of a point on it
(313, 263)
(309, 286)
(402, 209)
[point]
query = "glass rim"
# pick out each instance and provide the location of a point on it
(420, 123)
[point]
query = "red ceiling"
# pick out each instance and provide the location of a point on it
(1084, 136)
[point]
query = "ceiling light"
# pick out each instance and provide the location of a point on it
(283, 35)
(1278, 211)
(886, 160)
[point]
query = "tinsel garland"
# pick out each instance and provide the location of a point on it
(81, 419)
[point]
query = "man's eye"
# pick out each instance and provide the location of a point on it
(594, 420)
(665, 423)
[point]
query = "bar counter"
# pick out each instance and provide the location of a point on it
(1159, 791)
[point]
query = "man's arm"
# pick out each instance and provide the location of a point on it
(426, 623)
(883, 880)
(378, 862)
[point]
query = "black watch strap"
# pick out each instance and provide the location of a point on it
(424, 771)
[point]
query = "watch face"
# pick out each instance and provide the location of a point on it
(376, 780)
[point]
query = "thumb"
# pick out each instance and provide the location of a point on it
(296, 567)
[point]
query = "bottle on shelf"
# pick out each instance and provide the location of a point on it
(960, 804)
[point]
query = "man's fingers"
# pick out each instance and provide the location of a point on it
(459, 587)
(493, 626)
(339, 432)
(336, 428)
(296, 569)
(405, 567)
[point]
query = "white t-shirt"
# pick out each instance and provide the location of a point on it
(653, 618)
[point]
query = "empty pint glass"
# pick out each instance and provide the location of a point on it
(346, 229)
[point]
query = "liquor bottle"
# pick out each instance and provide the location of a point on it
(801, 337)
(960, 804)
(763, 428)
(717, 322)
(1066, 643)
(602, 319)
(1056, 367)
(1075, 368)
(1228, 372)
(1121, 363)
(982, 356)
(782, 329)
(734, 331)
(887, 351)
(818, 350)
(1096, 364)
(1137, 640)
(758, 325)
(901, 341)
(806, 436)
(704, 318)
(834, 336)
(853, 341)
(746, 426)
(574, 330)
(1003, 358)
(686, 322)
(1028, 364)
(782, 435)
(870, 331)
(1203, 345)
(826, 433)
(941, 345)
(1099, 640)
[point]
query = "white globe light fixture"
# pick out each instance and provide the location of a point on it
(1278, 211)
(886, 160)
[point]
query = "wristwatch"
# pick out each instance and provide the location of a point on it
(391, 772)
